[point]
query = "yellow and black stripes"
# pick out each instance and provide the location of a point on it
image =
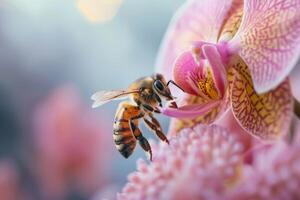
(122, 134)
(124, 140)
(126, 130)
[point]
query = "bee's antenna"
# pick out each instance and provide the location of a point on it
(171, 81)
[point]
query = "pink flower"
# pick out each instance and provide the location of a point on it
(201, 163)
(275, 175)
(206, 162)
(234, 54)
(73, 146)
(10, 188)
(228, 121)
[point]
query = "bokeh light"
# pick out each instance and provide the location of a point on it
(99, 10)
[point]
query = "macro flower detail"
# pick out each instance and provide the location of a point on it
(274, 174)
(200, 163)
(234, 54)
(269, 40)
(266, 116)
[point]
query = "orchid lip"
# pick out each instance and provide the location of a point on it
(204, 58)
(190, 111)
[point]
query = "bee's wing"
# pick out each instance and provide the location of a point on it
(105, 96)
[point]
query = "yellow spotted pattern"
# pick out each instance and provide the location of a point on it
(267, 115)
(233, 20)
(207, 86)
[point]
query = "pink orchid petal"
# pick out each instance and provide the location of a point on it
(232, 21)
(217, 67)
(185, 68)
(268, 40)
(195, 21)
(206, 118)
(190, 111)
(266, 116)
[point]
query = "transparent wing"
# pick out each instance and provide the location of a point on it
(104, 96)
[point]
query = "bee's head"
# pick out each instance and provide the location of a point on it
(160, 86)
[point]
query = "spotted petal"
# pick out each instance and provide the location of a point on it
(266, 116)
(269, 40)
(196, 20)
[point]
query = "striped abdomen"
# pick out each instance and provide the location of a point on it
(124, 139)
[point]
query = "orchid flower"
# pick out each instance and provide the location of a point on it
(233, 54)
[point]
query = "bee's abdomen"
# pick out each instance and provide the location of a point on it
(124, 139)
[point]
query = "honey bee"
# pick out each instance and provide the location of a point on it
(146, 94)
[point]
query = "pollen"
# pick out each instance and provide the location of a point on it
(207, 86)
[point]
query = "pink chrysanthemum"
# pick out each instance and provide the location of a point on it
(275, 175)
(201, 163)
(72, 146)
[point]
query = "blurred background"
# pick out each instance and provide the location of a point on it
(53, 55)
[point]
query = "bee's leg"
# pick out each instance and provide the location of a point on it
(155, 121)
(145, 145)
(155, 126)
(156, 110)
(138, 135)
(150, 108)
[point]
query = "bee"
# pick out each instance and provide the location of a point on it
(146, 95)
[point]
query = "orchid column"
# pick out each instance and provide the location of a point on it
(234, 54)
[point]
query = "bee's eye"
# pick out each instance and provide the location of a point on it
(159, 85)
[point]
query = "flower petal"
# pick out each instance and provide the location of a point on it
(217, 65)
(195, 21)
(205, 78)
(206, 118)
(184, 68)
(190, 111)
(266, 116)
(232, 21)
(269, 40)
